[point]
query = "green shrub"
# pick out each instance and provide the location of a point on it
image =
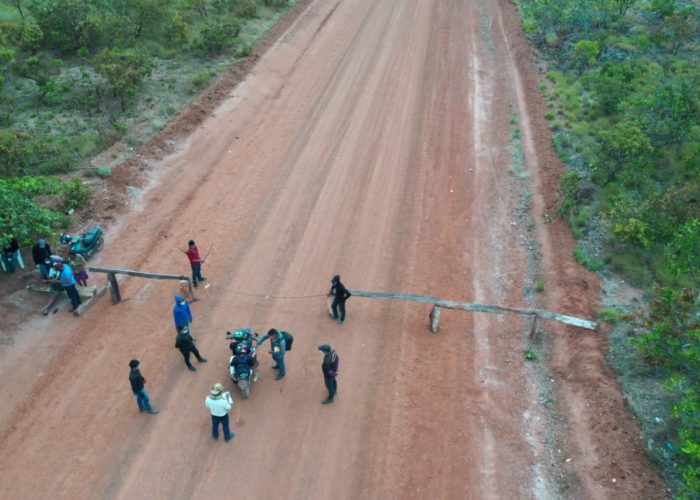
(199, 80)
(102, 172)
(531, 354)
(75, 195)
(539, 286)
(609, 315)
(217, 36)
(247, 9)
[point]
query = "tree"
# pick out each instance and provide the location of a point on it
(679, 28)
(625, 146)
(61, 22)
(669, 112)
(623, 6)
(585, 54)
(42, 71)
(215, 37)
(124, 71)
(683, 251)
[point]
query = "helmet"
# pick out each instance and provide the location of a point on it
(64, 239)
(241, 333)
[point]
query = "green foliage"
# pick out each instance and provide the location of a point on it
(62, 22)
(102, 172)
(589, 263)
(199, 80)
(609, 315)
(539, 286)
(75, 195)
(585, 54)
(124, 70)
(217, 36)
(683, 251)
(530, 354)
(276, 3)
(625, 146)
(22, 218)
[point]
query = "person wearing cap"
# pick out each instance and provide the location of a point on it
(181, 313)
(68, 283)
(219, 404)
(41, 253)
(195, 263)
(11, 256)
(340, 294)
(138, 388)
(185, 343)
(330, 366)
(278, 346)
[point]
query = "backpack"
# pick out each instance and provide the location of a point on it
(288, 339)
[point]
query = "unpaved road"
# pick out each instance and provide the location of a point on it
(374, 141)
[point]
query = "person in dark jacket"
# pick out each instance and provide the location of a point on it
(340, 294)
(181, 313)
(10, 256)
(185, 343)
(278, 349)
(41, 253)
(243, 363)
(330, 366)
(138, 387)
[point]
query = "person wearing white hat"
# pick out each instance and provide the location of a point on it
(219, 404)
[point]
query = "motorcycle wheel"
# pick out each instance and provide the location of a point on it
(244, 385)
(100, 243)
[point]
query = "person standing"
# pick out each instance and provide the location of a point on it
(41, 253)
(195, 263)
(79, 265)
(340, 294)
(219, 405)
(185, 343)
(181, 313)
(278, 349)
(330, 366)
(138, 388)
(68, 282)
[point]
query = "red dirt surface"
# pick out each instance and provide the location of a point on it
(371, 140)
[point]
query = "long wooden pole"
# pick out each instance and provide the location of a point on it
(466, 306)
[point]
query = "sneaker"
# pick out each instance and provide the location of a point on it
(215, 438)
(326, 401)
(202, 360)
(141, 410)
(278, 377)
(202, 279)
(191, 368)
(256, 377)
(153, 411)
(275, 367)
(341, 321)
(232, 436)
(195, 284)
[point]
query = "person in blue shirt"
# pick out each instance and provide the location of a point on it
(67, 280)
(181, 313)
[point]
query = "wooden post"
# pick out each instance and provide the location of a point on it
(114, 288)
(434, 318)
(535, 326)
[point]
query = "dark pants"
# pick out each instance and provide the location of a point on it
(186, 354)
(331, 385)
(73, 295)
(196, 273)
(339, 305)
(215, 421)
(44, 270)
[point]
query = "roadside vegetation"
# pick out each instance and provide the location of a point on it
(623, 98)
(77, 76)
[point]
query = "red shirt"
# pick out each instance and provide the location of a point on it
(193, 255)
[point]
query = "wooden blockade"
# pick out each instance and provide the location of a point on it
(114, 285)
(536, 314)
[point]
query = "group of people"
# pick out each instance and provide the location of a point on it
(62, 270)
(219, 402)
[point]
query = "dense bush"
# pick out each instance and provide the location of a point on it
(217, 36)
(626, 81)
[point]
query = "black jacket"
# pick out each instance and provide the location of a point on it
(184, 342)
(341, 293)
(137, 380)
(41, 255)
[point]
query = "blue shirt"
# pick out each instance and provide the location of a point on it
(66, 276)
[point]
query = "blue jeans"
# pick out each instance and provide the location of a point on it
(215, 421)
(44, 270)
(280, 365)
(10, 261)
(142, 400)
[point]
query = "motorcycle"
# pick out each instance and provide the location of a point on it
(243, 344)
(85, 245)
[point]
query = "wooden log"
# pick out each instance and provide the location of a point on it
(97, 293)
(156, 276)
(466, 306)
(114, 288)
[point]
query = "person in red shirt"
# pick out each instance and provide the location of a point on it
(195, 262)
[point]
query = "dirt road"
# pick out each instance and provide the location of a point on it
(374, 140)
